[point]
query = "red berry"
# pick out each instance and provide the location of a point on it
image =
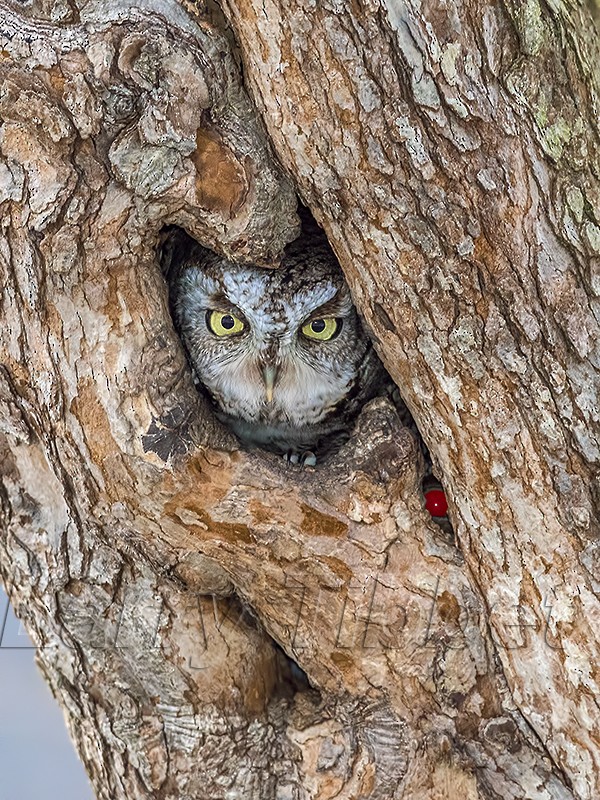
(436, 503)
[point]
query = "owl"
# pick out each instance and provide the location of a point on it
(281, 352)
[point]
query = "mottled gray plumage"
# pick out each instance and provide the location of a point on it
(271, 383)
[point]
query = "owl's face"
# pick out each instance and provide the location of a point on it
(278, 349)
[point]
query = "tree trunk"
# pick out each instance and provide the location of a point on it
(216, 623)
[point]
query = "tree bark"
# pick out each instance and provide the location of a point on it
(215, 623)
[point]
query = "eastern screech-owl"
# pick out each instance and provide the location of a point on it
(281, 351)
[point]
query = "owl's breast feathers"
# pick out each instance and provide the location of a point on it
(303, 412)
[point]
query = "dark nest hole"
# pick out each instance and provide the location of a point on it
(289, 677)
(174, 248)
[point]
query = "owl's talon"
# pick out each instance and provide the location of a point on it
(306, 459)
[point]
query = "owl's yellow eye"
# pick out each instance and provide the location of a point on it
(223, 323)
(322, 329)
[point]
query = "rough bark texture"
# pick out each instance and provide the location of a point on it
(452, 157)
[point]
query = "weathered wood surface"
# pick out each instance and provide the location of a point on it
(453, 162)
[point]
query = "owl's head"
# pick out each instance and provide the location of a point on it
(272, 346)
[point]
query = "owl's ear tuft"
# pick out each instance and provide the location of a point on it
(174, 246)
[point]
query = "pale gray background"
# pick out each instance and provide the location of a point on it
(37, 759)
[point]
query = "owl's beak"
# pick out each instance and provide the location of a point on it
(269, 377)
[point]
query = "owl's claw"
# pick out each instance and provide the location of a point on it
(306, 459)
